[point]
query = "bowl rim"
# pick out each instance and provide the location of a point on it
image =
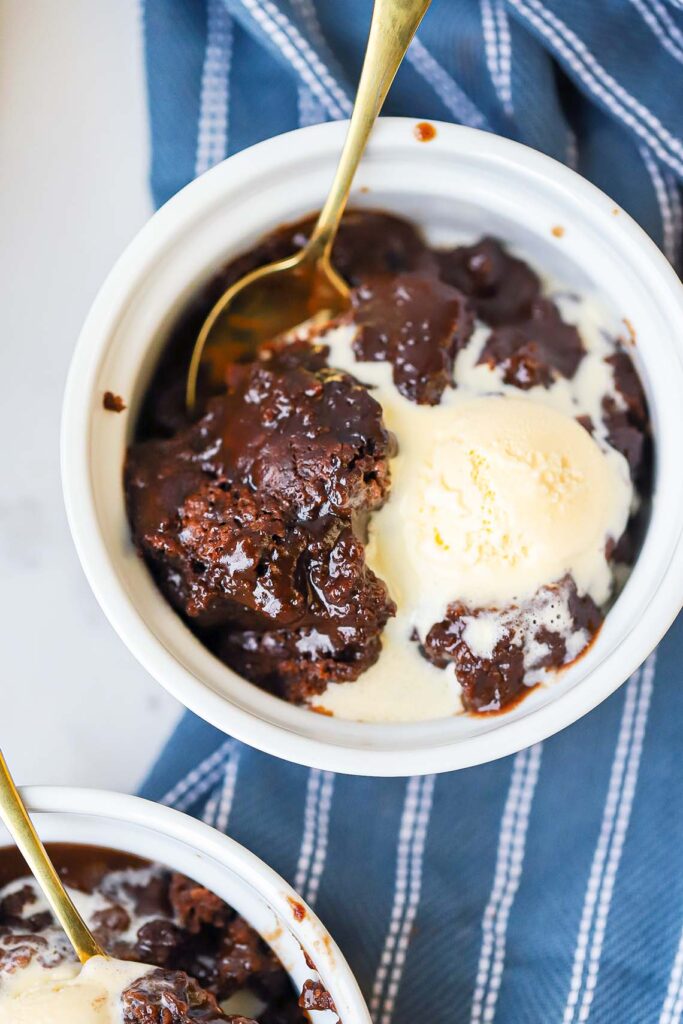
(266, 883)
(129, 273)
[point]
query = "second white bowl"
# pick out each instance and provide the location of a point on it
(257, 893)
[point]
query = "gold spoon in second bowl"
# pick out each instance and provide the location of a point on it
(16, 818)
(278, 297)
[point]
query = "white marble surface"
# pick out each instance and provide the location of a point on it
(75, 706)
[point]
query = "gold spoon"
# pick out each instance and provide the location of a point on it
(275, 298)
(15, 816)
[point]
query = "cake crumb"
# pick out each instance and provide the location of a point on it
(314, 996)
(112, 402)
(298, 909)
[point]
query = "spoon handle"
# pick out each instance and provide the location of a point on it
(15, 816)
(394, 23)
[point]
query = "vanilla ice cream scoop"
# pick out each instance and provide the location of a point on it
(67, 993)
(493, 498)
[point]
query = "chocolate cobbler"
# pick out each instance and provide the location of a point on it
(202, 961)
(423, 506)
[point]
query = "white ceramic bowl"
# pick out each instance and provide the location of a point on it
(461, 181)
(179, 842)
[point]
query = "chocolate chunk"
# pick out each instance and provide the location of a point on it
(171, 997)
(17, 950)
(371, 243)
(501, 288)
(338, 632)
(13, 911)
(108, 923)
(311, 442)
(488, 684)
(243, 958)
(526, 641)
(624, 435)
(151, 898)
(626, 549)
(158, 943)
(418, 324)
(535, 351)
(246, 520)
(628, 427)
(195, 906)
(628, 385)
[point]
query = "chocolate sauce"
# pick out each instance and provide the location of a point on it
(203, 950)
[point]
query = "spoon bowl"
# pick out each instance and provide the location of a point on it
(267, 302)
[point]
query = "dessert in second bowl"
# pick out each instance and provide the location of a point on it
(179, 953)
(423, 507)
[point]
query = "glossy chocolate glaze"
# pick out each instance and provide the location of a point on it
(416, 322)
(492, 683)
(203, 951)
(247, 520)
(253, 519)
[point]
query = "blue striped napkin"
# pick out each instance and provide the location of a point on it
(546, 887)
